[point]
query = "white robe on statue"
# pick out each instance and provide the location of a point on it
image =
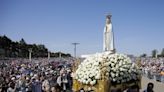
(108, 38)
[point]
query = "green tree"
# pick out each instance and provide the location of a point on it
(2, 52)
(22, 42)
(154, 53)
(143, 55)
(5, 44)
(9, 48)
(23, 48)
(162, 53)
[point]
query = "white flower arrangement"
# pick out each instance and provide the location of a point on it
(117, 67)
(121, 68)
(88, 71)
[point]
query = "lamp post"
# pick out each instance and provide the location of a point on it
(30, 51)
(75, 48)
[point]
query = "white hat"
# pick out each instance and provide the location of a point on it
(27, 78)
(51, 71)
(33, 78)
(13, 78)
(31, 74)
(46, 73)
(35, 75)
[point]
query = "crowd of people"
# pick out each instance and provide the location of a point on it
(153, 68)
(54, 75)
(39, 75)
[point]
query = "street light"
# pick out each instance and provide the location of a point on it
(75, 48)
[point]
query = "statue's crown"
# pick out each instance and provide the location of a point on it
(109, 16)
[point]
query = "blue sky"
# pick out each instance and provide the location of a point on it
(138, 24)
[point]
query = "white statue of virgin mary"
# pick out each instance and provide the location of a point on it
(108, 36)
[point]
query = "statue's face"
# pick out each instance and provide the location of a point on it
(108, 21)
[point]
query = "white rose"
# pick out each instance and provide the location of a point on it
(89, 88)
(121, 73)
(107, 74)
(112, 64)
(97, 76)
(116, 74)
(114, 79)
(112, 74)
(89, 80)
(93, 82)
(84, 81)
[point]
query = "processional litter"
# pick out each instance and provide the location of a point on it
(108, 70)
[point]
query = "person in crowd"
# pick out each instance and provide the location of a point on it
(46, 85)
(11, 87)
(20, 84)
(28, 85)
(116, 90)
(150, 87)
(0, 88)
(70, 80)
(64, 81)
(134, 88)
(36, 84)
(59, 80)
(56, 88)
(3, 85)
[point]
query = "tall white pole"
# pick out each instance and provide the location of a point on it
(30, 51)
(60, 55)
(48, 55)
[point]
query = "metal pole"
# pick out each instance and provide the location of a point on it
(75, 51)
(75, 48)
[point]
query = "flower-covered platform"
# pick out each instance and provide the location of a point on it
(103, 72)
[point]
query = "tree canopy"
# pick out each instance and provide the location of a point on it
(9, 48)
